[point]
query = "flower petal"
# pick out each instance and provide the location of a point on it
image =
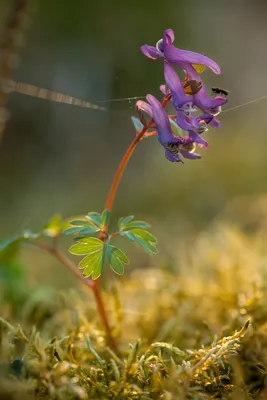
(177, 56)
(151, 52)
(172, 157)
(143, 106)
(197, 139)
(191, 156)
(161, 120)
(163, 89)
(179, 98)
(215, 123)
(168, 37)
(202, 99)
(207, 118)
(182, 121)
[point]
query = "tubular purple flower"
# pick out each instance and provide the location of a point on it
(173, 144)
(183, 104)
(165, 49)
(143, 106)
(179, 98)
(201, 99)
(161, 120)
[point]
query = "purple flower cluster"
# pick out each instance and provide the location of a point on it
(186, 102)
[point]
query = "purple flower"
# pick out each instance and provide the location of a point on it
(184, 105)
(180, 100)
(201, 99)
(164, 48)
(187, 97)
(174, 145)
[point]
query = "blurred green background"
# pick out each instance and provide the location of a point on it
(60, 158)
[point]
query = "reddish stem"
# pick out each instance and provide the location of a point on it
(124, 162)
(103, 314)
(103, 236)
(108, 206)
(120, 170)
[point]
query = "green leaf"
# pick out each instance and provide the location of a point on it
(124, 221)
(87, 231)
(145, 235)
(71, 231)
(116, 258)
(137, 224)
(129, 235)
(92, 264)
(148, 247)
(137, 124)
(66, 223)
(128, 223)
(144, 238)
(81, 226)
(8, 247)
(105, 216)
(95, 217)
(86, 246)
(53, 226)
(82, 222)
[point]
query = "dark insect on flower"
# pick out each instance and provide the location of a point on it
(219, 91)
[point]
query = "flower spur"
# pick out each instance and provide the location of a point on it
(165, 48)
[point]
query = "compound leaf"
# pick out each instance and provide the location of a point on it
(82, 226)
(136, 231)
(117, 258)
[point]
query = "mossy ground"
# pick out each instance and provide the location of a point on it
(181, 335)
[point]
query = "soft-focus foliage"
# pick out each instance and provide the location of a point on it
(185, 321)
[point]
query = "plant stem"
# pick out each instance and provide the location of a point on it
(108, 206)
(92, 284)
(124, 162)
(63, 260)
(103, 236)
(120, 170)
(103, 314)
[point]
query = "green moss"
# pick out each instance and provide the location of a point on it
(182, 335)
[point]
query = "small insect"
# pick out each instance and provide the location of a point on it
(219, 91)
